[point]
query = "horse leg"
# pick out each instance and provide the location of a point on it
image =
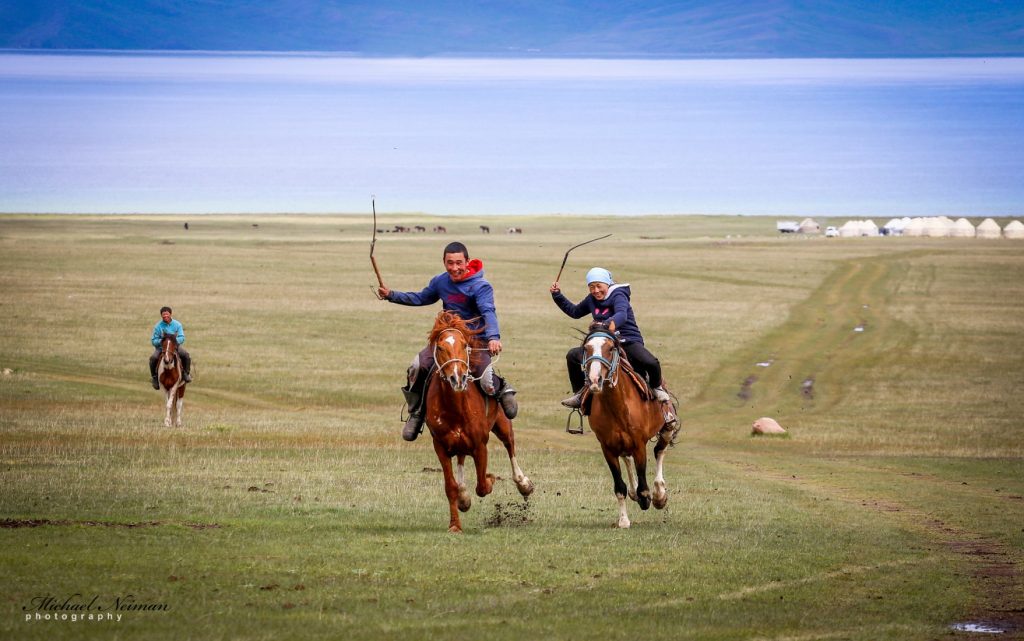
(451, 489)
(619, 486)
(643, 492)
(484, 481)
(503, 430)
(169, 397)
(630, 477)
(180, 404)
(465, 500)
(660, 489)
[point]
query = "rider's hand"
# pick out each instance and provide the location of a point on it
(494, 347)
(383, 292)
(555, 288)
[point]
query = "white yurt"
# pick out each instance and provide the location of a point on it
(988, 228)
(850, 229)
(868, 228)
(810, 226)
(962, 228)
(937, 227)
(1014, 229)
(914, 228)
(895, 226)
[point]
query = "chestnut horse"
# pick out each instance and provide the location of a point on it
(624, 420)
(460, 418)
(171, 380)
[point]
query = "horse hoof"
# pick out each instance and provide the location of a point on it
(660, 501)
(465, 502)
(526, 486)
(454, 529)
(623, 524)
(644, 501)
(632, 495)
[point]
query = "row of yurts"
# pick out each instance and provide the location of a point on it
(935, 227)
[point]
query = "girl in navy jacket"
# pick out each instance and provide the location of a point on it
(608, 301)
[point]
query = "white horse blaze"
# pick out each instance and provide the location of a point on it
(595, 366)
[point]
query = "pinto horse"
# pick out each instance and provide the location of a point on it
(624, 420)
(460, 418)
(171, 378)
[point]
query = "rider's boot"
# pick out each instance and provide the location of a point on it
(506, 397)
(576, 400)
(186, 367)
(152, 373)
(414, 397)
(156, 382)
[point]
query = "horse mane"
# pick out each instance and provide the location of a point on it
(451, 320)
(603, 327)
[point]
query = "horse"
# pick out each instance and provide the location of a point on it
(624, 420)
(171, 378)
(461, 418)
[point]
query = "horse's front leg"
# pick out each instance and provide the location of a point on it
(643, 492)
(484, 481)
(619, 486)
(169, 395)
(627, 461)
(451, 489)
(503, 430)
(465, 500)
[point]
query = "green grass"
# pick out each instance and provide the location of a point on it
(288, 507)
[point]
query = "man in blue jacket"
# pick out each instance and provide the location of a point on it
(463, 290)
(167, 325)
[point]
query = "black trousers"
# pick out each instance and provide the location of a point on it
(643, 361)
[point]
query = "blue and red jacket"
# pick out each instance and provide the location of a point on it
(614, 307)
(472, 298)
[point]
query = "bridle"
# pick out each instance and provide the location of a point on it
(612, 375)
(463, 381)
(168, 353)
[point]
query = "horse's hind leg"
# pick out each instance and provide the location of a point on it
(503, 430)
(465, 500)
(643, 492)
(619, 486)
(660, 489)
(178, 407)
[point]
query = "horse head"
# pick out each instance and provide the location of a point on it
(600, 356)
(454, 343)
(169, 350)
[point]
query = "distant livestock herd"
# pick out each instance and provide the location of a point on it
(439, 229)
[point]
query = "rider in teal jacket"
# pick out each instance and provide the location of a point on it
(168, 325)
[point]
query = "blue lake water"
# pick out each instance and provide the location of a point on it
(306, 133)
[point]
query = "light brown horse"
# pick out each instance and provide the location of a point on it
(171, 380)
(460, 418)
(623, 421)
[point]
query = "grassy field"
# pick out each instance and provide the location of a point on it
(288, 507)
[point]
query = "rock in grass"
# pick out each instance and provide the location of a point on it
(766, 425)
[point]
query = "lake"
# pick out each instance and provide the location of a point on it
(194, 133)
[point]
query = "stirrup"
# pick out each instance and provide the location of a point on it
(568, 421)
